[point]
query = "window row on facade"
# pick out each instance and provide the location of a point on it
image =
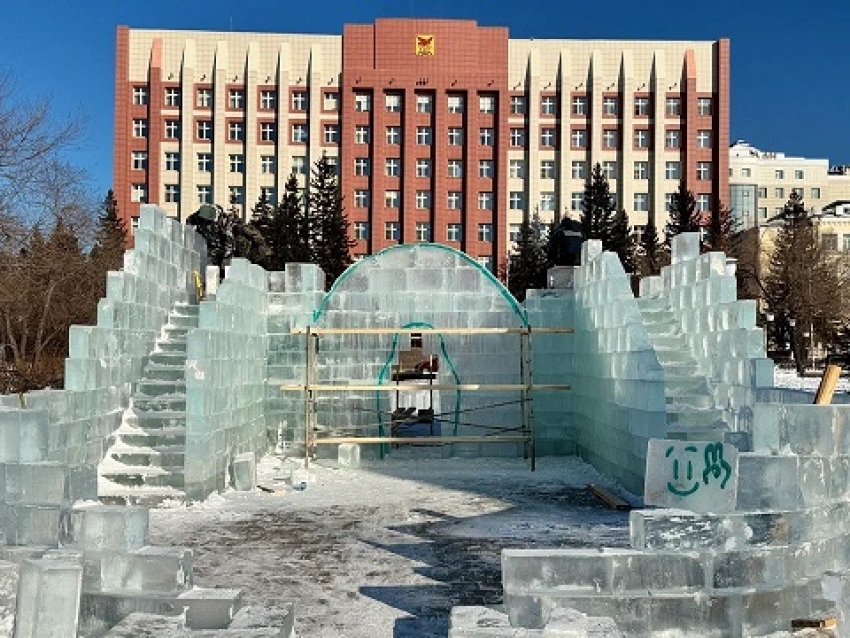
(236, 99)
(423, 231)
(777, 174)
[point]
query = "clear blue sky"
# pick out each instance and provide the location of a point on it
(789, 73)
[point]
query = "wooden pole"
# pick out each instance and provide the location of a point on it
(827, 385)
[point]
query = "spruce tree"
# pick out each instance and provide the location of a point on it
(597, 217)
(262, 219)
(651, 249)
(527, 263)
(293, 227)
(684, 217)
(620, 241)
(110, 241)
(331, 240)
(721, 229)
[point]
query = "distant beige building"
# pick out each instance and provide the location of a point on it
(760, 183)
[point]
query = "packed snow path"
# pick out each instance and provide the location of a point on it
(389, 550)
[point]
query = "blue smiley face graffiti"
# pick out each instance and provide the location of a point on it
(683, 483)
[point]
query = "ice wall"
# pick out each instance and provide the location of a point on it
(428, 286)
(226, 379)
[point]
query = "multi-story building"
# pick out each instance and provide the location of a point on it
(443, 130)
(760, 183)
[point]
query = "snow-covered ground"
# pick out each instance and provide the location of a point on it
(387, 550)
(783, 378)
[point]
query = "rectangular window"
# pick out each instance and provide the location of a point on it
(548, 105)
(816, 193)
(330, 101)
(514, 231)
(362, 166)
(268, 164)
(455, 136)
(641, 202)
(486, 262)
(487, 103)
(140, 95)
(235, 131)
(361, 198)
(423, 231)
(609, 138)
(746, 172)
(423, 167)
(455, 103)
(423, 200)
(454, 200)
(269, 193)
(611, 106)
(797, 191)
(392, 199)
(394, 135)
(579, 170)
(362, 102)
(236, 98)
(703, 106)
(703, 202)
(424, 103)
(392, 167)
(300, 132)
(762, 212)
(547, 137)
(516, 200)
(332, 134)
(829, 241)
(172, 161)
(547, 169)
(300, 101)
(779, 192)
(485, 232)
(205, 98)
(454, 232)
(392, 102)
(140, 128)
(641, 106)
(798, 175)
(361, 231)
(205, 162)
(672, 170)
(237, 195)
(205, 130)
(779, 174)
(579, 105)
(423, 135)
(172, 193)
(703, 139)
(578, 138)
(641, 170)
(517, 137)
(703, 170)
(204, 194)
(237, 163)
(486, 169)
(673, 107)
(139, 160)
(576, 200)
(172, 129)
(139, 193)
(516, 169)
(268, 99)
(845, 243)
(609, 169)
(641, 138)
(486, 137)
(391, 231)
(671, 139)
(668, 201)
(172, 96)
(517, 105)
(547, 201)
(299, 164)
(362, 134)
(455, 168)
(762, 191)
(485, 200)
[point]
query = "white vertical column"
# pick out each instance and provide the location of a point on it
(658, 168)
(532, 154)
(626, 184)
(284, 79)
(252, 150)
(188, 159)
(596, 88)
(564, 155)
(221, 193)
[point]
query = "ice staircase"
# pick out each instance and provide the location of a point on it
(691, 410)
(144, 465)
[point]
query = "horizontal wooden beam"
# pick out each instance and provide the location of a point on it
(419, 440)
(415, 387)
(442, 331)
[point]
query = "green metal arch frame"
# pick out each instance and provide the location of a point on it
(504, 292)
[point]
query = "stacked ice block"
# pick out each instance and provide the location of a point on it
(226, 379)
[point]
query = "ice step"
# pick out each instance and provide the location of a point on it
(161, 456)
(142, 475)
(151, 439)
(157, 420)
(170, 358)
(182, 321)
(177, 345)
(159, 372)
(157, 387)
(148, 496)
(167, 402)
(698, 401)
